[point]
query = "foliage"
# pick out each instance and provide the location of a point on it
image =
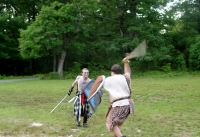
(2, 76)
(187, 27)
(164, 74)
(95, 34)
(44, 37)
(51, 75)
(76, 68)
(195, 54)
(166, 68)
(8, 36)
(180, 62)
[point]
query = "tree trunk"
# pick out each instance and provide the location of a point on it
(54, 63)
(61, 62)
(31, 67)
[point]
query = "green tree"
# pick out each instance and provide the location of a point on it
(119, 28)
(51, 34)
(194, 57)
(14, 15)
(187, 26)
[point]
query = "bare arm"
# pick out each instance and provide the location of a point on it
(74, 83)
(72, 86)
(127, 68)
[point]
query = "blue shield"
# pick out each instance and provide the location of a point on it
(96, 99)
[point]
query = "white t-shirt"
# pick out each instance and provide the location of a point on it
(117, 87)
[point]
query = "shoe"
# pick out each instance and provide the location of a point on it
(78, 124)
(85, 125)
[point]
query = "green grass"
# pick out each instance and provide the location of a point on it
(164, 107)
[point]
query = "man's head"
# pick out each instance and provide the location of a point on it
(85, 72)
(116, 69)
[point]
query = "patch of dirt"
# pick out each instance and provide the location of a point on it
(75, 130)
(183, 134)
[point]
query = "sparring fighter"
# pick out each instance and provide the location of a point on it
(118, 87)
(81, 106)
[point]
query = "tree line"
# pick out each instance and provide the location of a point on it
(66, 35)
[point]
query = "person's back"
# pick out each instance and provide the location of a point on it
(117, 87)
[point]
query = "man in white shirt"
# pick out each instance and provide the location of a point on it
(118, 87)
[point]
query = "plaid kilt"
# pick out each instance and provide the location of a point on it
(81, 109)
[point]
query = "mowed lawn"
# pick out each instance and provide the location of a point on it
(164, 107)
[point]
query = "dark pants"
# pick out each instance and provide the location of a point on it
(83, 114)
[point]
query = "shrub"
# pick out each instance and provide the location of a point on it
(166, 68)
(194, 57)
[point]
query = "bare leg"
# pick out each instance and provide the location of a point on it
(117, 132)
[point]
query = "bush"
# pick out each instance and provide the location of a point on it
(180, 62)
(51, 75)
(166, 68)
(2, 76)
(194, 57)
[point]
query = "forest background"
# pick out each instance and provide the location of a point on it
(61, 37)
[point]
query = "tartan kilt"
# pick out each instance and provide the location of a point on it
(85, 108)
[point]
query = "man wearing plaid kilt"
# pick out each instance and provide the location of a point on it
(81, 106)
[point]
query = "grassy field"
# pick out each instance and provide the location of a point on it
(164, 107)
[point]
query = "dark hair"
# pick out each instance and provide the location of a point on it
(117, 69)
